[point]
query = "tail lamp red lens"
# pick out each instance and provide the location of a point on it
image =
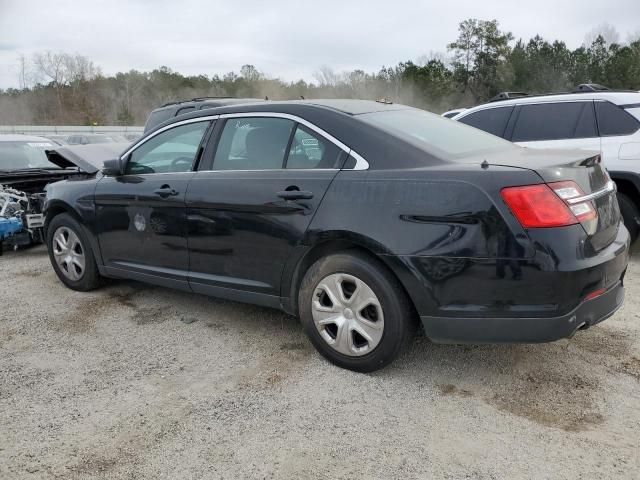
(596, 294)
(548, 205)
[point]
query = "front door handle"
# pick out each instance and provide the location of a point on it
(295, 195)
(166, 191)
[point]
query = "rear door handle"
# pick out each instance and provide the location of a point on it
(166, 191)
(295, 195)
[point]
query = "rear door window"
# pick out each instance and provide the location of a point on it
(614, 121)
(491, 120)
(249, 143)
(554, 121)
(310, 150)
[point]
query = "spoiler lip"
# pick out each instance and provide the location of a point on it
(88, 158)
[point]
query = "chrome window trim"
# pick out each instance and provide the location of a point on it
(361, 163)
(608, 188)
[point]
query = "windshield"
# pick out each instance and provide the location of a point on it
(439, 136)
(20, 155)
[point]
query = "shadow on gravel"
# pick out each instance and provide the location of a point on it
(559, 385)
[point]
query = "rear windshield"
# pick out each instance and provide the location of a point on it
(439, 136)
(157, 117)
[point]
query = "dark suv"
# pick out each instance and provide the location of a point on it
(173, 109)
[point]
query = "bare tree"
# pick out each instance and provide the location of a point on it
(326, 77)
(52, 67)
(24, 72)
(605, 30)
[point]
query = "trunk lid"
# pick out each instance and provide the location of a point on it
(583, 168)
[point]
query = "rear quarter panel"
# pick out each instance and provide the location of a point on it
(453, 243)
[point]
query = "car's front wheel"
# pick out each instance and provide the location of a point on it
(355, 313)
(70, 254)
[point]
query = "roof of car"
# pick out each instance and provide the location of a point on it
(346, 106)
(352, 107)
(618, 98)
(18, 137)
(217, 101)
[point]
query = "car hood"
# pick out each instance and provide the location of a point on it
(88, 158)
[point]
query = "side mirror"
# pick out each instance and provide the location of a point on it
(112, 168)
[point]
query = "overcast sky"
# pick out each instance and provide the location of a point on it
(289, 39)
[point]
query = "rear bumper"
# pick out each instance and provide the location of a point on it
(524, 330)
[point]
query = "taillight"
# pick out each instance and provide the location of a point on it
(548, 205)
(569, 191)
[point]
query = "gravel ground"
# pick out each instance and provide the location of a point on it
(134, 381)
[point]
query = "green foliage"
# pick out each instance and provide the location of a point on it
(67, 89)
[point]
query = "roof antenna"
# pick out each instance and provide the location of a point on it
(266, 98)
(301, 97)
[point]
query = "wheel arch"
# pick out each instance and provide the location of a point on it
(628, 184)
(58, 207)
(341, 242)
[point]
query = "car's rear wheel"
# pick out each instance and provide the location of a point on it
(70, 254)
(630, 215)
(355, 313)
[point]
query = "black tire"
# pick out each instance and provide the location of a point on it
(630, 215)
(397, 312)
(90, 278)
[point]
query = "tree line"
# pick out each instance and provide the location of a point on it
(65, 89)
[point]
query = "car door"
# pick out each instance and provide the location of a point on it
(141, 214)
(251, 204)
(555, 125)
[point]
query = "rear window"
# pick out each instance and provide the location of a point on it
(435, 134)
(491, 120)
(157, 117)
(613, 121)
(555, 121)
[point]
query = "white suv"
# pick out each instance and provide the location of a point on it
(604, 121)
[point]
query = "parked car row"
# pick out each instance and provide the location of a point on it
(364, 219)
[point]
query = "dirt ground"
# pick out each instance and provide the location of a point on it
(134, 381)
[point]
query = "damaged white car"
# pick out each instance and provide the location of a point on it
(27, 165)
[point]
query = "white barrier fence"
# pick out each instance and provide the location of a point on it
(69, 129)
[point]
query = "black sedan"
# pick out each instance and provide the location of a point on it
(364, 219)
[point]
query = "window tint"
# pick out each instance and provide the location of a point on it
(435, 134)
(171, 151)
(310, 150)
(613, 120)
(491, 120)
(554, 121)
(253, 144)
